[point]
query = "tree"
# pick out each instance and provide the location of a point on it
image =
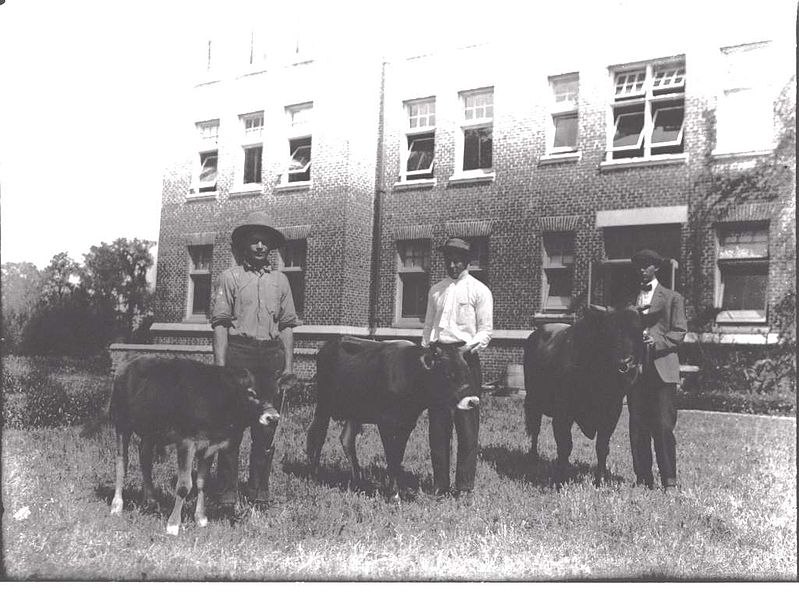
(115, 276)
(21, 287)
(60, 277)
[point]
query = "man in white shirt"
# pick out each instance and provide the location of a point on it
(459, 311)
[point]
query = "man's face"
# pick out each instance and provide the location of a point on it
(455, 263)
(646, 272)
(256, 248)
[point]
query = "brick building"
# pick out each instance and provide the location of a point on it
(556, 169)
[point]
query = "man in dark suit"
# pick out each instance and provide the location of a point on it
(653, 414)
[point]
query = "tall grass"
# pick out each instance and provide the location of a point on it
(735, 517)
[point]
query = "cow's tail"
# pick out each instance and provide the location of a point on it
(317, 432)
(92, 428)
(532, 409)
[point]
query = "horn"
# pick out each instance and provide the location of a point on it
(595, 308)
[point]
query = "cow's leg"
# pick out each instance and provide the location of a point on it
(605, 431)
(146, 451)
(185, 460)
(317, 433)
(532, 416)
(121, 463)
(562, 428)
(348, 436)
(395, 440)
(203, 468)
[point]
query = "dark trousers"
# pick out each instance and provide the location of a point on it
(653, 416)
(265, 360)
(467, 425)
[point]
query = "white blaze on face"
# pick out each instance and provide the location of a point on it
(467, 403)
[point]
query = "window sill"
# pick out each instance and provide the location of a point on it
(246, 190)
(558, 158)
(407, 323)
(415, 184)
(621, 163)
(204, 196)
(545, 317)
(467, 177)
(739, 155)
(295, 186)
(736, 317)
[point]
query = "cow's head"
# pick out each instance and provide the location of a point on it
(256, 407)
(615, 342)
(447, 376)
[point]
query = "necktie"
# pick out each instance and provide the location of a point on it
(646, 287)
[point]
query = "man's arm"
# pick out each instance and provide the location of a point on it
(429, 317)
(484, 316)
(220, 344)
(678, 326)
(222, 316)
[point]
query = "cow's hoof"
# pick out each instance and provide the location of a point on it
(173, 529)
(202, 522)
(116, 507)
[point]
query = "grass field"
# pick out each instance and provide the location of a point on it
(735, 517)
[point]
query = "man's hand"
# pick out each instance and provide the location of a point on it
(648, 339)
(287, 380)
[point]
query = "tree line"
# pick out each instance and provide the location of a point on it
(69, 308)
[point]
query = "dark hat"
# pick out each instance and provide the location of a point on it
(258, 221)
(454, 244)
(647, 257)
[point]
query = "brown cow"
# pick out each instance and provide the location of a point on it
(196, 406)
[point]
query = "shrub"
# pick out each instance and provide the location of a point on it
(50, 393)
(775, 404)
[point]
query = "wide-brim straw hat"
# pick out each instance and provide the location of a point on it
(455, 244)
(258, 221)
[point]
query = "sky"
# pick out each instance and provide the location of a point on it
(91, 90)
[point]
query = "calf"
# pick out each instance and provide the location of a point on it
(196, 406)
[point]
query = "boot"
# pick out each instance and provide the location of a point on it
(260, 469)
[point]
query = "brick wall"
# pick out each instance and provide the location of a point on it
(356, 163)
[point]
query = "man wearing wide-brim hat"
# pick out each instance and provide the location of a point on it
(651, 401)
(459, 312)
(253, 318)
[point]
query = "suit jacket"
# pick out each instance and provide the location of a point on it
(668, 331)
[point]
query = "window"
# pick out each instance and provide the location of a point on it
(208, 157)
(478, 258)
(418, 154)
(562, 131)
(414, 278)
(199, 280)
(299, 163)
(558, 267)
(616, 280)
(477, 127)
(648, 110)
(252, 146)
(743, 261)
(745, 112)
(292, 264)
(256, 50)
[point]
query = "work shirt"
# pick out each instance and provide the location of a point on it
(459, 310)
(645, 297)
(253, 303)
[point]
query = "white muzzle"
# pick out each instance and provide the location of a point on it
(467, 403)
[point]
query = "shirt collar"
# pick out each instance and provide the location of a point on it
(461, 276)
(654, 283)
(266, 268)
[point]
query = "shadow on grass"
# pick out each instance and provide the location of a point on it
(374, 479)
(518, 465)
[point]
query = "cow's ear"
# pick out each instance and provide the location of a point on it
(427, 359)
